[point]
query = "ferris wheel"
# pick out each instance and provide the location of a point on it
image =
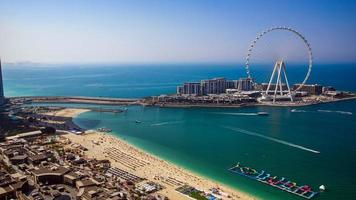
(279, 69)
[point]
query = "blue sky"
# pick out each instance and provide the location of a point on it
(173, 31)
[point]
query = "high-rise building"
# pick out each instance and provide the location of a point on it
(213, 86)
(231, 84)
(191, 88)
(2, 98)
(209, 86)
(245, 84)
(180, 89)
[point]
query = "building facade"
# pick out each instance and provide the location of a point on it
(192, 88)
(231, 84)
(2, 98)
(213, 86)
(245, 84)
(189, 88)
(180, 89)
(314, 89)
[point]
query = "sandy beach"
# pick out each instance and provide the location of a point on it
(68, 112)
(134, 160)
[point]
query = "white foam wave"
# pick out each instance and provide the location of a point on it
(297, 111)
(166, 123)
(322, 111)
(227, 113)
(336, 111)
(270, 138)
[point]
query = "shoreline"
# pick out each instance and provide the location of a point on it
(158, 167)
(77, 99)
(173, 105)
(126, 102)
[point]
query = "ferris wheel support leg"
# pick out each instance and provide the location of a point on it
(277, 83)
(285, 77)
(270, 80)
(280, 86)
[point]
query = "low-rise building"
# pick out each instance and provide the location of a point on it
(9, 186)
(18, 159)
(71, 178)
(50, 175)
(85, 183)
(38, 158)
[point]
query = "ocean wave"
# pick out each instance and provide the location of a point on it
(336, 111)
(227, 113)
(94, 85)
(322, 111)
(270, 138)
(299, 111)
(166, 123)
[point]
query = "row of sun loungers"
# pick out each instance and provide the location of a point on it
(125, 159)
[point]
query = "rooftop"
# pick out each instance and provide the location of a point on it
(54, 170)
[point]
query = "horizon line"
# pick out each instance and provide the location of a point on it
(162, 63)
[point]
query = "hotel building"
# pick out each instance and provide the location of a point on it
(214, 86)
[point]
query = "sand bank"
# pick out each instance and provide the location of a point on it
(67, 112)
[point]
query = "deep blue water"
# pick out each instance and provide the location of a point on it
(147, 80)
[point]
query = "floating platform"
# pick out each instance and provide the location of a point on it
(283, 184)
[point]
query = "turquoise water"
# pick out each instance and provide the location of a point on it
(197, 140)
(208, 141)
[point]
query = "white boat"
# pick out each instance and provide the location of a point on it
(262, 113)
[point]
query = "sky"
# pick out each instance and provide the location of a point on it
(171, 31)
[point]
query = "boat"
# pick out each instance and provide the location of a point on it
(262, 113)
(138, 121)
(322, 188)
(104, 130)
(282, 183)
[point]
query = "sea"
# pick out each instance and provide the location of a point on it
(314, 145)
